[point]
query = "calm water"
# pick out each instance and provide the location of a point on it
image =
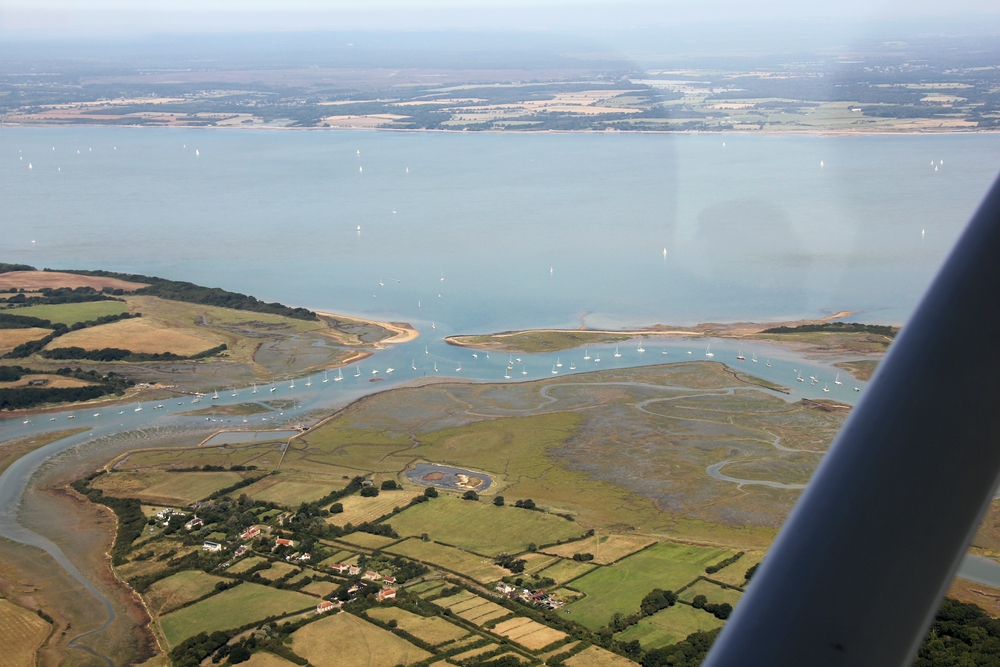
(525, 230)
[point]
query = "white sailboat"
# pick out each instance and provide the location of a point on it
(254, 388)
(442, 276)
(292, 385)
(215, 396)
(459, 369)
(325, 378)
(273, 388)
(558, 363)
(475, 356)
(358, 374)
(837, 381)
(708, 351)
(389, 370)
(413, 364)
(375, 372)
(432, 325)
(572, 366)
(554, 371)
(309, 381)
(234, 392)
(739, 356)
(754, 358)
(617, 353)
(597, 359)
(586, 355)
(340, 375)
(425, 350)
(138, 407)
(506, 375)
(640, 349)
(826, 389)
(524, 371)
(799, 378)
(663, 351)
(435, 367)
(768, 364)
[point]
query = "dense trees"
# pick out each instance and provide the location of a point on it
(837, 327)
(712, 569)
(515, 565)
(16, 398)
(117, 354)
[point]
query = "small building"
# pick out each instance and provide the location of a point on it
(371, 576)
(505, 589)
(194, 523)
(386, 594)
(282, 542)
(354, 570)
(211, 546)
(241, 550)
(250, 533)
(389, 581)
(340, 567)
(325, 606)
(304, 557)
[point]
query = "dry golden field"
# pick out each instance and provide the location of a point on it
(358, 509)
(35, 280)
(344, 640)
(606, 548)
(528, 633)
(52, 381)
(146, 335)
(595, 656)
(22, 632)
(11, 338)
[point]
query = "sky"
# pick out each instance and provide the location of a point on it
(96, 17)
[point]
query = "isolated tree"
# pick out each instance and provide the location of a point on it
(389, 485)
(498, 501)
(470, 495)
(699, 601)
(431, 492)
(337, 508)
(369, 492)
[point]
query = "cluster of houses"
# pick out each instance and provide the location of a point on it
(535, 598)
(165, 514)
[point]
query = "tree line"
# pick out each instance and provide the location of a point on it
(59, 329)
(119, 354)
(20, 398)
(837, 327)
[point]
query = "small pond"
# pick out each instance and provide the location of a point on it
(446, 477)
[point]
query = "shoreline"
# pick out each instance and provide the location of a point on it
(402, 332)
(776, 133)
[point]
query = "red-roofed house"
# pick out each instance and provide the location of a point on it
(371, 576)
(250, 533)
(325, 606)
(282, 542)
(386, 594)
(389, 581)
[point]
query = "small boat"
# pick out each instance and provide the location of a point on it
(380, 283)
(234, 392)
(309, 382)
(754, 358)
(826, 389)
(359, 229)
(572, 366)
(292, 385)
(425, 350)
(273, 388)
(640, 349)
(53, 419)
(74, 416)
(340, 375)
(554, 371)
(432, 325)
(689, 351)
(442, 276)
(375, 372)
(739, 356)
(506, 375)
(215, 396)
(586, 355)
(98, 414)
(254, 388)
(459, 369)
(435, 367)
(524, 371)
(325, 378)
(197, 400)
(517, 360)
(389, 370)
(475, 356)
(413, 364)
(487, 355)
(837, 380)
(708, 351)
(857, 389)
(26, 421)
(418, 305)
(138, 407)
(768, 364)
(617, 353)
(558, 363)
(597, 359)
(799, 378)
(358, 374)
(663, 351)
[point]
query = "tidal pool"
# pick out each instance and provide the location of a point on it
(446, 477)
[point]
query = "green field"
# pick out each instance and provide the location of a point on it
(473, 566)
(367, 540)
(156, 486)
(716, 594)
(278, 570)
(621, 587)
(433, 629)
(71, 313)
(669, 626)
(246, 564)
(482, 527)
(566, 570)
(531, 342)
(736, 574)
(233, 608)
(344, 640)
(180, 588)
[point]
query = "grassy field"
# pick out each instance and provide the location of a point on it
(11, 338)
(178, 488)
(320, 588)
(475, 567)
(595, 656)
(529, 634)
(278, 570)
(566, 570)
(669, 626)
(264, 455)
(289, 490)
(715, 594)
(736, 574)
(145, 334)
(23, 632)
(230, 609)
(433, 630)
(344, 640)
(263, 659)
(621, 587)
(367, 540)
(605, 548)
(178, 589)
(482, 527)
(71, 313)
(867, 343)
(358, 509)
(862, 369)
(35, 280)
(531, 342)
(246, 564)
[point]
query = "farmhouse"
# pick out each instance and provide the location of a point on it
(250, 533)
(325, 606)
(304, 557)
(241, 550)
(386, 594)
(340, 567)
(371, 576)
(211, 546)
(282, 542)
(354, 570)
(389, 581)
(194, 523)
